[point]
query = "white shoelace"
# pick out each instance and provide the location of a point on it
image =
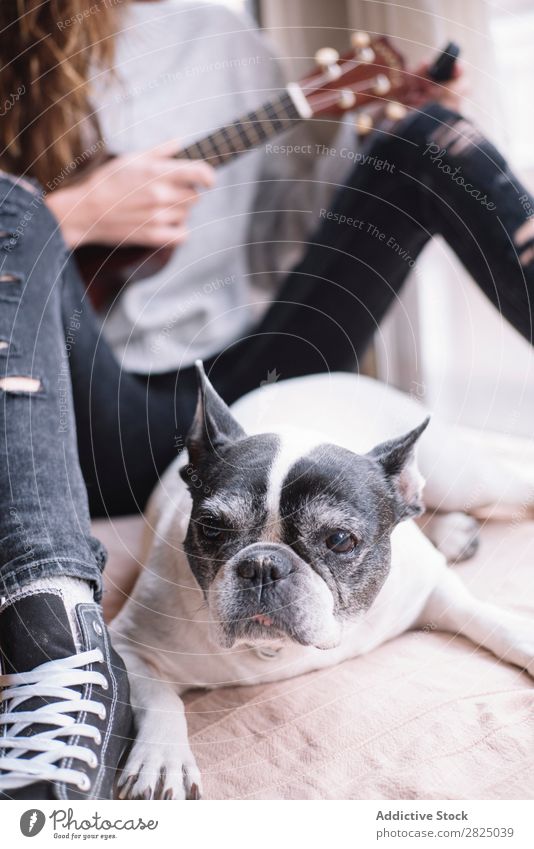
(51, 680)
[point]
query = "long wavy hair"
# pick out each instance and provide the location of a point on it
(47, 49)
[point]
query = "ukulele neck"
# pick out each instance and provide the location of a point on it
(247, 132)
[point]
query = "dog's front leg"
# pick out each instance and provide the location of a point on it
(161, 764)
(452, 608)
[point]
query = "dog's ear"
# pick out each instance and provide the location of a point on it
(213, 425)
(398, 460)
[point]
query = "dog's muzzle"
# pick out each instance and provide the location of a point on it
(260, 566)
(267, 591)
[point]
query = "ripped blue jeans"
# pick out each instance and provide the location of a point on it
(44, 525)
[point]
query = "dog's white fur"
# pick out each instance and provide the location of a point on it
(164, 631)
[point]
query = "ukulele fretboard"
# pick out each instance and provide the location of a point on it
(247, 132)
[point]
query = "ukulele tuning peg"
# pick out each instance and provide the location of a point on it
(366, 54)
(361, 44)
(363, 124)
(396, 111)
(382, 85)
(360, 39)
(326, 57)
(347, 99)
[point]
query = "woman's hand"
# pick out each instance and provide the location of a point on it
(141, 199)
(449, 93)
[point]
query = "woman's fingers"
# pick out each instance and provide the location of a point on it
(162, 193)
(448, 93)
(173, 216)
(165, 149)
(159, 235)
(184, 172)
(142, 168)
(138, 198)
(422, 69)
(164, 158)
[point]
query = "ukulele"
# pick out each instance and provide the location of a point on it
(373, 72)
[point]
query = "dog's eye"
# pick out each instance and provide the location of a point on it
(211, 530)
(341, 542)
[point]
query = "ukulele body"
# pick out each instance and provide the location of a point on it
(105, 270)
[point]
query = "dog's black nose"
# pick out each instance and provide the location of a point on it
(262, 569)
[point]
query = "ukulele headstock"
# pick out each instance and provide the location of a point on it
(373, 71)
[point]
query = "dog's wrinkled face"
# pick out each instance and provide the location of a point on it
(289, 539)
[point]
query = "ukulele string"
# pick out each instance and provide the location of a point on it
(230, 141)
(326, 99)
(233, 143)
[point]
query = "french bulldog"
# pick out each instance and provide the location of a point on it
(272, 550)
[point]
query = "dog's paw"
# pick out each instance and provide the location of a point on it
(456, 535)
(160, 772)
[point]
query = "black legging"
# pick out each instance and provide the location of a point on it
(438, 175)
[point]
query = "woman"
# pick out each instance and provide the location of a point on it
(82, 436)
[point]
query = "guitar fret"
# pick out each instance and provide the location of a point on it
(265, 120)
(205, 147)
(222, 146)
(274, 117)
(192, 151)
(288, 109)
(227, 146)
(212, 141)
(255, 127)
(229, 141)
(248, 127)
(245, 131)
(252, 129)
(241, 132)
